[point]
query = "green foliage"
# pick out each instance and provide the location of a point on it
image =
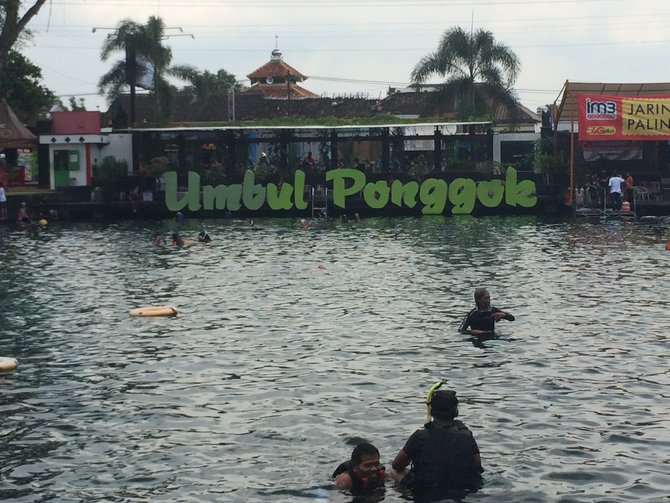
(146, 63)
(14, 17)
(544, 161)
(479, 71)
(206, 83)
(21, 81)
(262, 171)
(109, 175)
(77, 104)
(157, 166)
(321, 121)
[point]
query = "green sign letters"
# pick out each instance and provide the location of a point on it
(433, 194)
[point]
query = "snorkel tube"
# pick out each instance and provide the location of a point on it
(429, 396)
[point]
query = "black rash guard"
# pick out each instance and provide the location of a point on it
(443, 455)
(482, 319)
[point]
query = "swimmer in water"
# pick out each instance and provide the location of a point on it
(482, 319)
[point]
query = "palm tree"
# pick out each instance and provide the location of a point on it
(480, 72)
(146, 64)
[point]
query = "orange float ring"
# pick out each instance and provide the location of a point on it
(154, 311)
(8, 363)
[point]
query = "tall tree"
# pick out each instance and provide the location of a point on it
(146, 64)
(13, 24)
(23, 89)
(205, 84)
(480, 72)
(77, 104)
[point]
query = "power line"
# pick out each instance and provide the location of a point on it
(390, 49)
(328, 3)
(392, 26)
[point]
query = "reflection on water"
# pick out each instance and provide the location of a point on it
(294, 344)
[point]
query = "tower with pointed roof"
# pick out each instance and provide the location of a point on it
(277, 79)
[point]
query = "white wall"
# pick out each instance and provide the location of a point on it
(120, 146)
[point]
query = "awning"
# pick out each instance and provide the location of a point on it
(13, 134)
(565, 106)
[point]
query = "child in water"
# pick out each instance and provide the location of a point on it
(363, 472)
(177, 240)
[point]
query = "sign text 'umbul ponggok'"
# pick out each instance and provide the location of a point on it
(432, 193)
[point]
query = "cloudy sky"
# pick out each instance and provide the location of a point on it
(361, 47)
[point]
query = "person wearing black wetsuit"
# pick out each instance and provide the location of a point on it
(482, 319)
(444, 454)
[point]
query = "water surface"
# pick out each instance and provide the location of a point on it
(292, 345)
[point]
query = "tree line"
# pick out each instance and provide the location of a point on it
(478, 72)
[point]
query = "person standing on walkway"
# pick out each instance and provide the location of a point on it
(615, 183)
(3, 202)
(629, 188)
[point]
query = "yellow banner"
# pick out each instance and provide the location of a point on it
(645, 116)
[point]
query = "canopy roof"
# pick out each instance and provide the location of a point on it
(565, 106)
(13, 134)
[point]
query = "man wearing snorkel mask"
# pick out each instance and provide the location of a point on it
(444, 453)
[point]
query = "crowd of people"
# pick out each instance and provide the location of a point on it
(439, 458)
(600, 190)
(24, 215)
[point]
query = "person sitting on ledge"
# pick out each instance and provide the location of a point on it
(482, 319)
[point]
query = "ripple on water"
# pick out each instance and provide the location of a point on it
(291, 346)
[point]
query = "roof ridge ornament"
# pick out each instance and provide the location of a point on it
(276, 53)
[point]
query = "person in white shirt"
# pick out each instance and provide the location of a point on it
(615, 183)
(3, 202)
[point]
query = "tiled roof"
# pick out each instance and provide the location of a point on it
(280, 91)
(276, 68)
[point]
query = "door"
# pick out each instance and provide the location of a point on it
(65, 161)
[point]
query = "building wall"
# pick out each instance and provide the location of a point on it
(82, 157)
(498, 138)
(120, 146)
